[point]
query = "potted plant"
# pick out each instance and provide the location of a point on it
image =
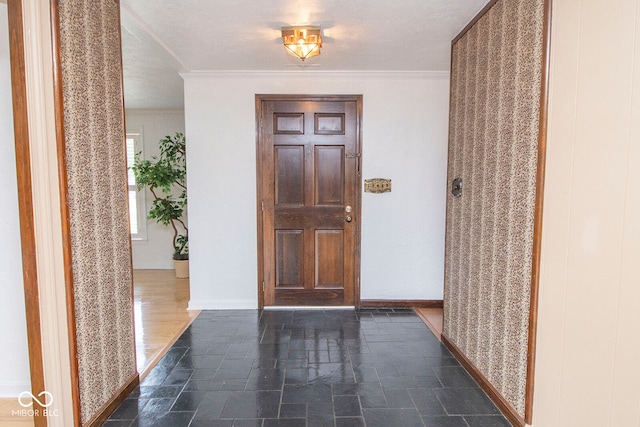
(165, 177)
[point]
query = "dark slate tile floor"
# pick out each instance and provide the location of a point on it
(308, 368)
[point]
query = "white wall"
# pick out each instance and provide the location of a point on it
(589, 314)
(405, 118)
(156, 250)
(14, 360)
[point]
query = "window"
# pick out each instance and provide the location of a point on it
(137, 216)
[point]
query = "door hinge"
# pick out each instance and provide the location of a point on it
(352, 155)
(263, 286)
(263, 206)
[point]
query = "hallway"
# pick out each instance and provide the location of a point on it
(379, 367)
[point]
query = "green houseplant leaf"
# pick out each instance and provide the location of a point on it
(165, 177)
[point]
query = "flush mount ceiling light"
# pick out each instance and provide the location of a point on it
(302, 42)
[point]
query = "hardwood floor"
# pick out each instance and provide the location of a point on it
(7, 407)
(161, 315)
(433, 318)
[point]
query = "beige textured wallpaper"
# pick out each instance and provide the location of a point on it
(494, 120)
(96, 177)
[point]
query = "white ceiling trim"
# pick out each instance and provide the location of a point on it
(312, 74)
(136, 26)
(156, 111)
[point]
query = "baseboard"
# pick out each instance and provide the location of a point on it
(223, 304)
(396, 303)
(507, 410)
(108, 408)
(365, 303)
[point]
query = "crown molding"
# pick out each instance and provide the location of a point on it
(154, 111)
(355, 74)
(153, 42)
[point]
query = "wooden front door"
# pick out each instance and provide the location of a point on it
(309, 199)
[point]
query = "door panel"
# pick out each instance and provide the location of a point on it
(288, 123)
(329, 175)
(329, 124)
(329, 252)
(289, 185)
(289, 257)
(309, 172)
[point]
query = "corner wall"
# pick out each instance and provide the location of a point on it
(404, 138)
(493, 146)
(96, 199)
(589, 308)
(14, 364)
(156, 250)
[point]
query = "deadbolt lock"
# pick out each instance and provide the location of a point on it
(348, 209)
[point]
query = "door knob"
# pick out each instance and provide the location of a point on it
(348, 218)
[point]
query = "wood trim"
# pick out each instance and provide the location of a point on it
(64, 210)
(109, 408)
(259, 196)
(539, 205)
(509, 411)
(446, 200)
(124, 143)
(167, 346)
(358, 203)
(259, 100)
(25, 200)
(407, 303)
(328, 98)
(473, 21)
(425, 318)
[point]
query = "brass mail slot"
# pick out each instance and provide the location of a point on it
(377, 185)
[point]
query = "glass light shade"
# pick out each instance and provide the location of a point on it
(302, 42)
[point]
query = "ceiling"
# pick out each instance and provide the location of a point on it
(162, 38)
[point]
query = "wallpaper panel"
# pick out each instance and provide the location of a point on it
(97, 198)
(493, 130)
